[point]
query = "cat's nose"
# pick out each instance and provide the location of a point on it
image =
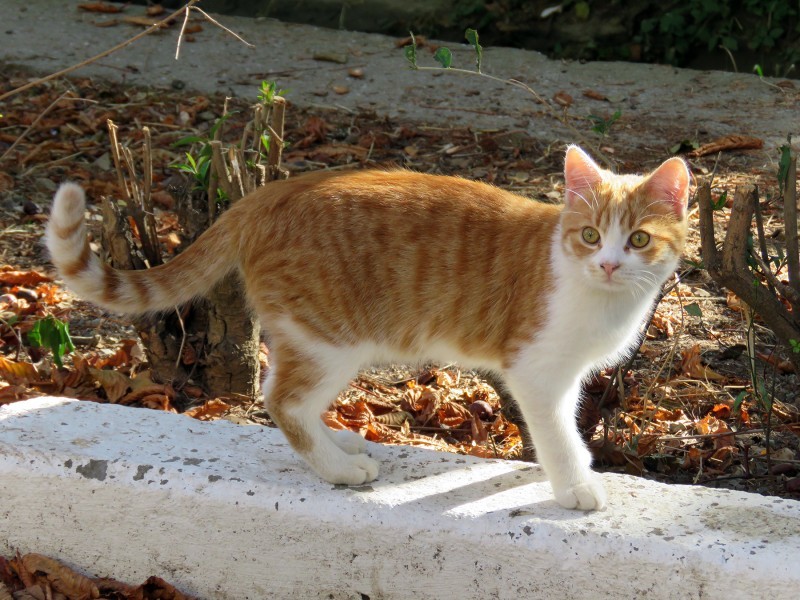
(609, 267)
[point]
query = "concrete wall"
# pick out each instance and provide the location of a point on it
(229, 511)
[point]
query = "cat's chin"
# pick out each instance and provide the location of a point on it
(612, 286)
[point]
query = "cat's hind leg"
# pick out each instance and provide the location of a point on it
(299, 388)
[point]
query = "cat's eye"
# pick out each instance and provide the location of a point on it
(590, 235)
(639, 239)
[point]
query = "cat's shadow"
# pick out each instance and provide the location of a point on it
(460, 486)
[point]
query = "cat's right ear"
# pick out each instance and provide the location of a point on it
(581, 174)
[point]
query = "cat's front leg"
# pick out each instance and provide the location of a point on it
(548, 404)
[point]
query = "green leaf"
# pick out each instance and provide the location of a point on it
(189, 139)
(190, 160)
(720, 203)
(444, 57)
(693, 309)
(795, 346)
(53, 334)
(764, 396)
(411, 51)
(472, 38)
(582, 10)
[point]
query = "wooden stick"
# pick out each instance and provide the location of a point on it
(734, 249)
(790, 220)
(762, 240)
(274, 170)
(220, 168)
(115, 154)
(708, 244)
(785, 291)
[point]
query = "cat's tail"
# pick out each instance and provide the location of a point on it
(186, 276)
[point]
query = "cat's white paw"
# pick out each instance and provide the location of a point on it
(349, 469)
(349, 441)
(587, 495)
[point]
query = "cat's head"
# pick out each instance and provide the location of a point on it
(623, 232)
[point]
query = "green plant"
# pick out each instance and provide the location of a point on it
(268, 91)
(197, 168)
(602, 125)
(680, 29)
(198, 164)
(51, 333)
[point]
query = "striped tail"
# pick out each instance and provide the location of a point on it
(186, 276)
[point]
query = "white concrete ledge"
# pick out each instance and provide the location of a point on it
(226, 511)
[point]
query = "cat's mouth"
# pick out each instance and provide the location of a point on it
(612, 282)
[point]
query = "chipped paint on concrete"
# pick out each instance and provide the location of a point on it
(229, 511)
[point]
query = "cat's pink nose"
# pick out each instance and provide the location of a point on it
(609, 268)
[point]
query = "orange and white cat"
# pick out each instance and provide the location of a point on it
(349, 269)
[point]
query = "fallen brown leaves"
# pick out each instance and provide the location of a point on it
(37, 577)
(727, 143)
(438, 409)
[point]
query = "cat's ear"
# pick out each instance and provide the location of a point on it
(581, 174)
(670, 183)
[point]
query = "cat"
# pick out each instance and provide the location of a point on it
(350, 269)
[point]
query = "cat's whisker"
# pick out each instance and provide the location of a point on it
(581, 196)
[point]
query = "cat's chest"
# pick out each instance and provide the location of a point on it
(595, 326)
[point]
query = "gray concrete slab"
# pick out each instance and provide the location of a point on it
(229, 512)
(660, 105)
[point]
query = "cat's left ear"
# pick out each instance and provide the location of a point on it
(581, 174)
(670, 184)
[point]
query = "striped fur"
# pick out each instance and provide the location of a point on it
(348, 269)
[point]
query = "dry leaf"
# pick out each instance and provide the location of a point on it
(734, 302)
(783, 366)
(209, 410)
(63, 579)
(721, 411)
(24, 278)
(563, 99)
(594, 95)
(154, 10)
(156, 588)
(420, 40)
(692, 367)
(101, 7)
(17, 373)
(450, 414)
(142, 21)
(726, 143)
(710, 425)
(114, 383)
